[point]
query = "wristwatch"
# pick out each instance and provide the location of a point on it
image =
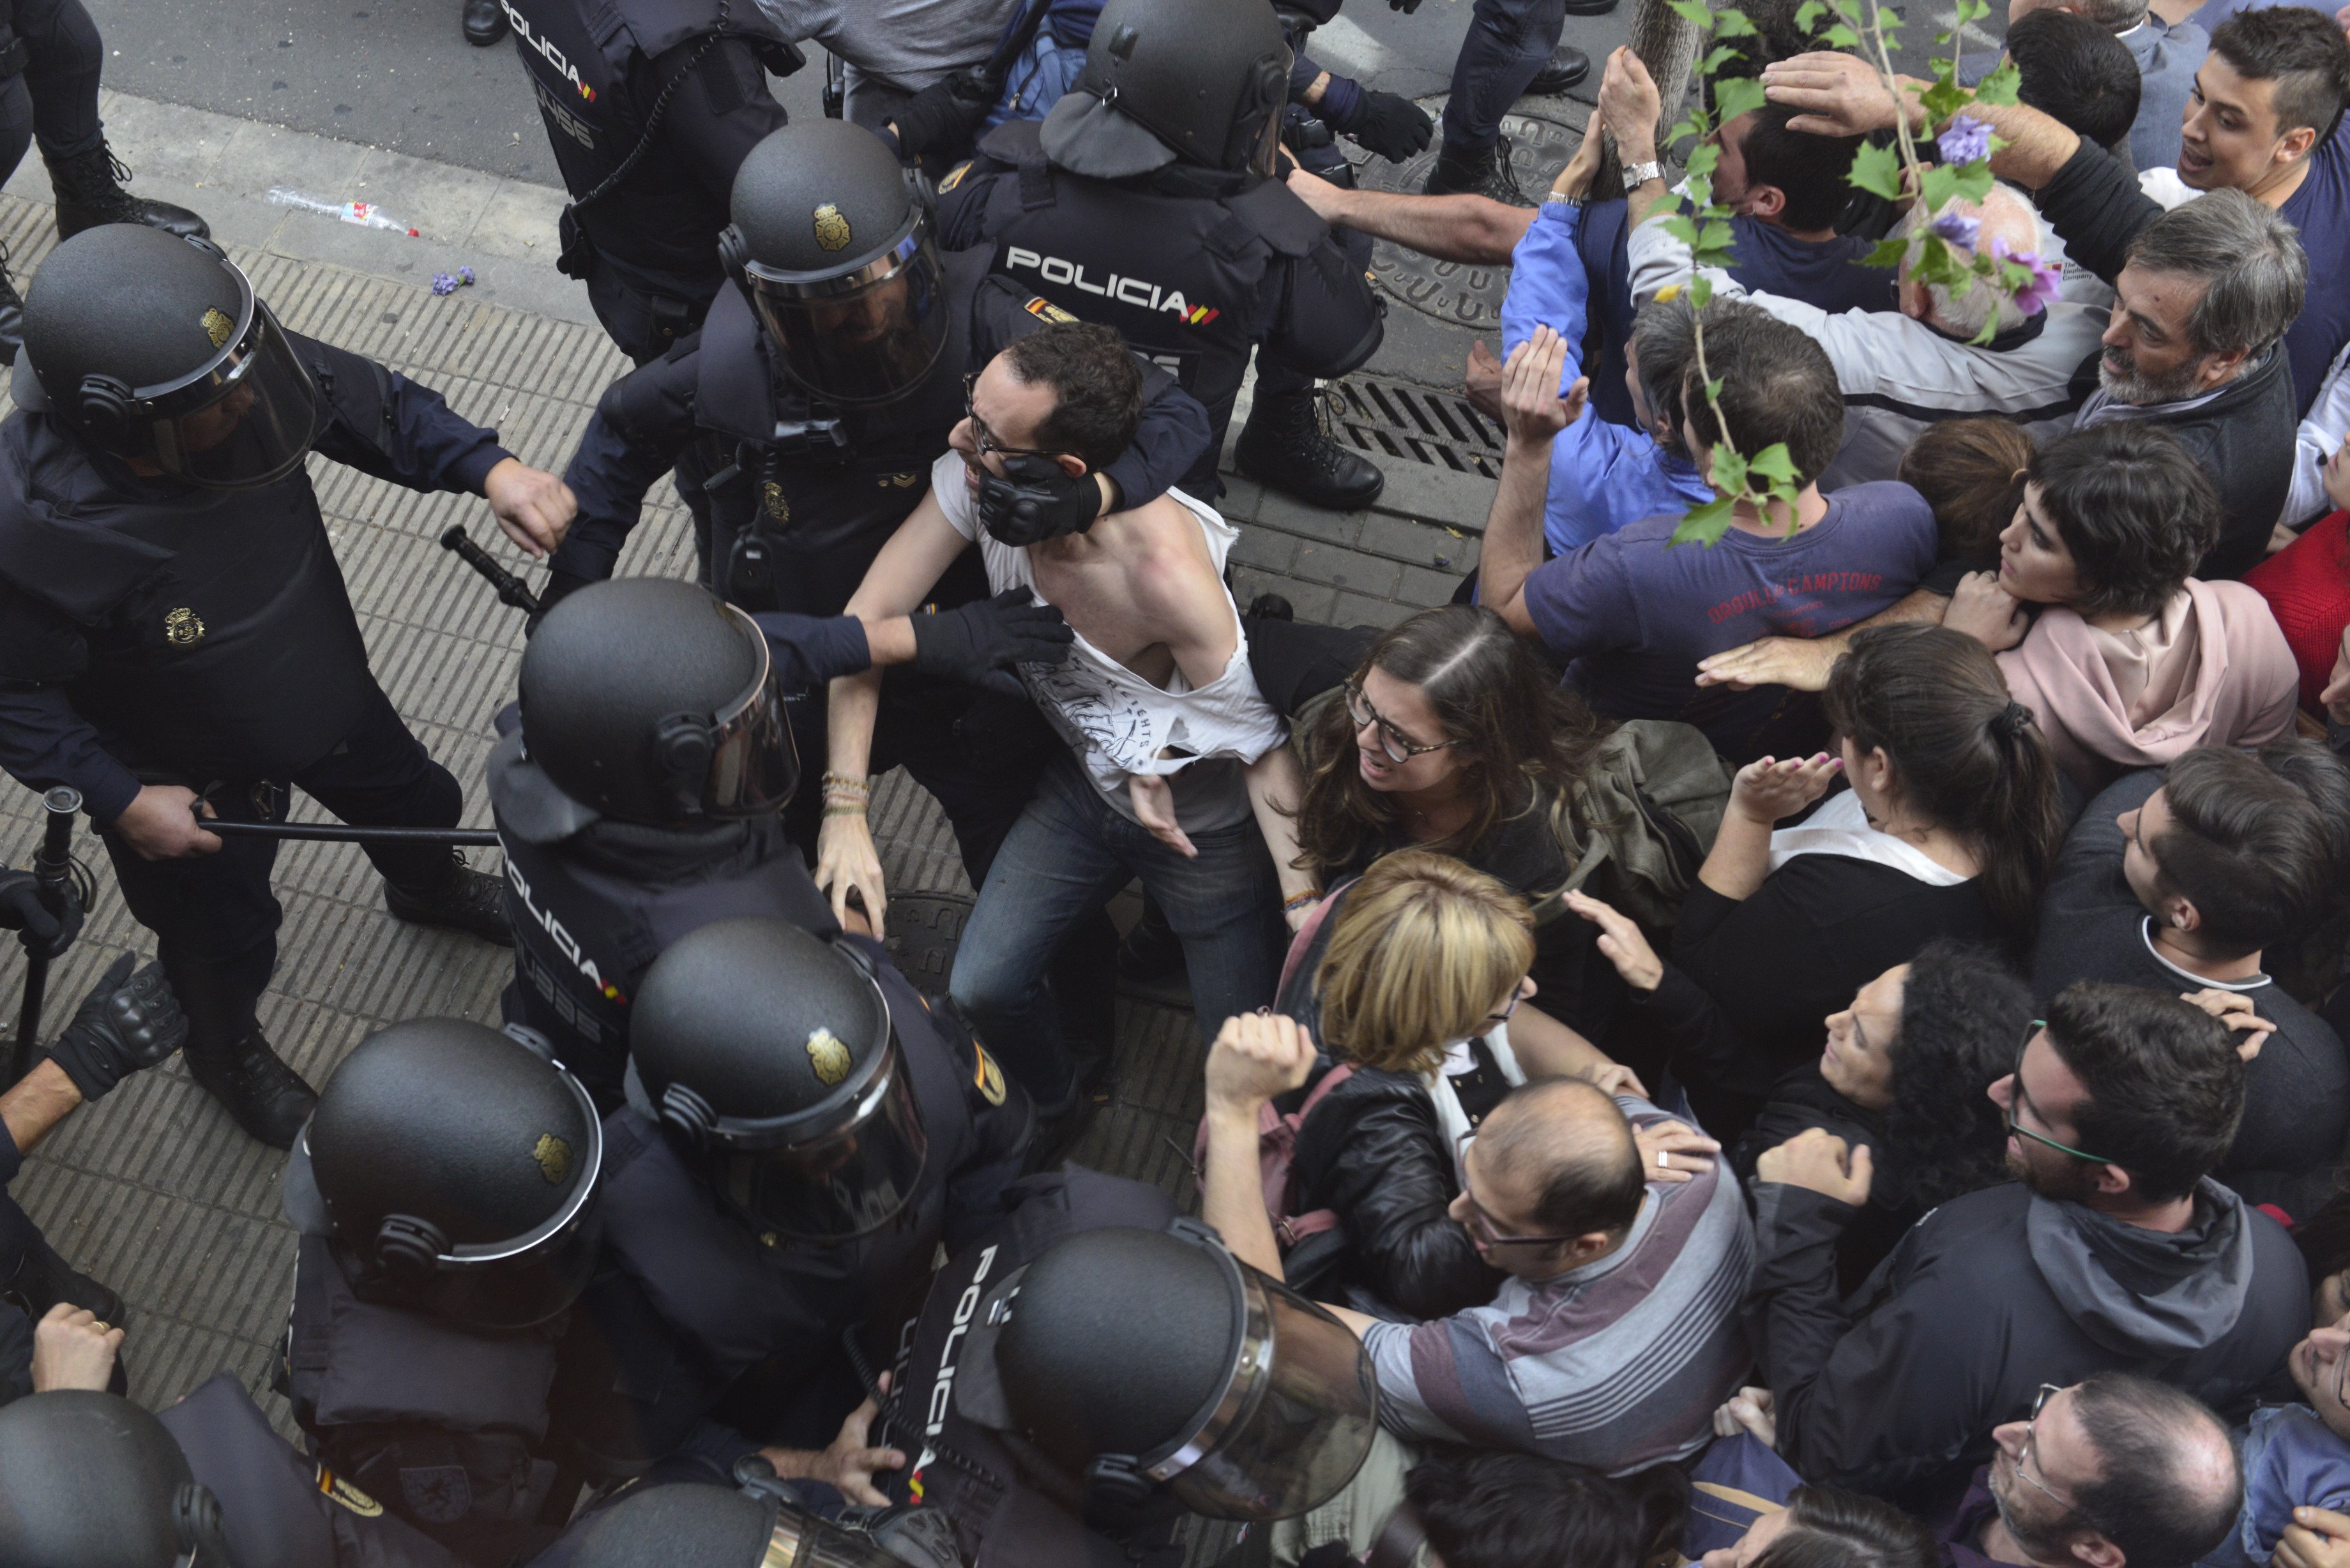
(1638, 175)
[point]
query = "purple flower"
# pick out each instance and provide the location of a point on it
(1967, 139)
(443, 284)
(465, 274)
(2039, 291)
(1958, 231)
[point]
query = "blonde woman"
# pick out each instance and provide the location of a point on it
(1408, 986)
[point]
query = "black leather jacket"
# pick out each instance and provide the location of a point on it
(1373, 1152)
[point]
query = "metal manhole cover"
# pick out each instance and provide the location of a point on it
(1401, 420)
(1458, 292)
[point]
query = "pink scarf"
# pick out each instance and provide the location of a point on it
(2213, 669)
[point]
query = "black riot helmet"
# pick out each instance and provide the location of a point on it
(1135, 1359)
(769, 1057)
(154, 348)
(455, 1168)
(831, 241)
(654, 702)
(91, 1481)
(1204, 82)
(697, 1526)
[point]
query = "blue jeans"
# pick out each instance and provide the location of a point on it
(1062, 860)
(1508, 42)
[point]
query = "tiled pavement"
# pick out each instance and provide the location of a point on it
(154, 1190)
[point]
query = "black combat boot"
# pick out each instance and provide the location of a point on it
(467, 900)
(485, 22)
(1485, 173)
(44, 1279)
(89, 192)
(1286, 444)
(268, 1099)
(1566, 66)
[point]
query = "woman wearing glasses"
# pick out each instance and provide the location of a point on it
(1453, 737)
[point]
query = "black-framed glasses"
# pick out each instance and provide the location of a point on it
(2030, 1452)
(983, 437)
(1510, 1006)
(2015, 1089)
(1480, 1223)
(1398, 746)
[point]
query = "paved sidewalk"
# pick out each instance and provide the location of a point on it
(154, 1190)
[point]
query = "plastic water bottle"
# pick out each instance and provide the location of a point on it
(366, 214)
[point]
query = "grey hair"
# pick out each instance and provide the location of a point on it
(1664, 341)
(1963, 314)
(2250, 259)
(2114, 16)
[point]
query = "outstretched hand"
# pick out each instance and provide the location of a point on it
(1621, 942)
(1800, 664)
(1767, 789)
(1531, 411)
(1837, 94)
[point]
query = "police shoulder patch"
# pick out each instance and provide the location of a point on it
(989, 1076)
(336, 1490)
(1046, 310)
(955, 176)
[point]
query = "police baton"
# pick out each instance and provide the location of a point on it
(512, 590)
(53, 874)
(345, 833)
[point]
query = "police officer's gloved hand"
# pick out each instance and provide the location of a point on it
(126, 1023)
(942, 114)
(1388, 124)
(1036, 498)
(963, 643)
(22, 911)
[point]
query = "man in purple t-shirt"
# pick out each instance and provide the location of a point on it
(1634, 612)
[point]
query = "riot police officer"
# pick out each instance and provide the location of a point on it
(761, 1521)
(89, 1479)
(1146, 201)
(174, 629)
(1097, 1367)
(837, 366)
(801, 1133)
(446, 1192)
(640, 779)
(650, 106)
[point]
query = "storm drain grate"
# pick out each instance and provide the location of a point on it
(1401, 420)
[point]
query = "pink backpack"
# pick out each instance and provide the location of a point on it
(1277, 1135)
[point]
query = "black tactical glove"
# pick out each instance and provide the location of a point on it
(1390, 125)
(1036, 498)
(943, 115)
(22, 911)
(126, 1023)
(963, 643)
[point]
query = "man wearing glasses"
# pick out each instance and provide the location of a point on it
(2113, 1250)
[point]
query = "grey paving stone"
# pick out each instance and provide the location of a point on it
(1280, 512)
(1347, 569)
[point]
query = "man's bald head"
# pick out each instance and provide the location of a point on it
(2167, 1488)
(1567, 1150)
(2005, 215)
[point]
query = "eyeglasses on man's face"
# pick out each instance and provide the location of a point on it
(1397, 746)
(2018, 1097)
(2030, 1455)
(1481, 1221)
(984, 439)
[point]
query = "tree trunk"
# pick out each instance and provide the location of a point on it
(1666, 43)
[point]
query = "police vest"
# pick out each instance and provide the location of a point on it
(733, 1300)
(1193, 283)
(221, 642)
(441, 1426)
(963, 1470)
(591, 912)
(579, 55)
(279, 1509)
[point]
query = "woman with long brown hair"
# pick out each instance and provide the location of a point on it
(1453, 737)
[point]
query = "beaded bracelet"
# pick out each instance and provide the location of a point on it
(833, 781)
(844, 811)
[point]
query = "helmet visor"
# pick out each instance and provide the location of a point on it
(754, 766)
(1297, 1422)
(868, 337)
(840, 1183)
(245, 420)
